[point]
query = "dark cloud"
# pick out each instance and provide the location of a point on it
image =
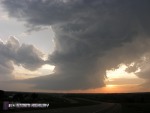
(91, 37)
(12, 53)
(29, 57)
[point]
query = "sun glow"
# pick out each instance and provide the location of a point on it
(120, 73)
(46, 66)
(111, 86)
(120, 78)
(22, 73)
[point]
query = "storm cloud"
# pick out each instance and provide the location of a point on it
(13, 53)
(91, 36)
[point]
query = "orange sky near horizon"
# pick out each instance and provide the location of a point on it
(107, 89)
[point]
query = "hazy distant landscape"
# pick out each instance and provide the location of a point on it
(113, 103)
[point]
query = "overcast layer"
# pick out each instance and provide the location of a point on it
(91, 36)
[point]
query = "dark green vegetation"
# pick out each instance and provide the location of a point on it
(130, 102)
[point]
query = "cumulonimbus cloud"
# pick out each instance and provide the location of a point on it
(87, 33)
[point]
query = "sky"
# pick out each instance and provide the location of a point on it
(93, 46)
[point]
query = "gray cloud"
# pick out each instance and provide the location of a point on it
(29, 57)
(13, 53)
(136, 52)
(91, 36)
(6, 65)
